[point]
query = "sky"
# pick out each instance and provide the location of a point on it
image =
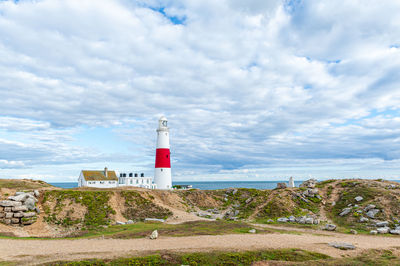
(253, 90)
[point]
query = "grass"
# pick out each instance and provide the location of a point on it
(138, 208)
(208, 258)
(98, 210)
(23, 184)
(144, 229)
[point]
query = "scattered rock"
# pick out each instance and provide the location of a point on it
(373, 232)
(309, 220)
(252, 231)
(354, 232)
(236, 212)
(154, 219)
(154, 235)
(371, 213)
(345, 211)
(316, 221)
(234, 191)
(292, 219)
(129, 222)
(330, 227)
(270, 221)
(282, 220)
(343, 246)
(382, 224)
(395, 232)
(36, 193)
(248, 200)
(369, 207)
(358, 198)
(363, 219)
(119, 223)
(383, 230)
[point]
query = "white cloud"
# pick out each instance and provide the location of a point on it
(243, 83)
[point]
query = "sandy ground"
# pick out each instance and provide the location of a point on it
(39, 251)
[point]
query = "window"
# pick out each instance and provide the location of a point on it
(148, 181)
(130, 175)
(101, 182)
(137, 181)
(131, 182)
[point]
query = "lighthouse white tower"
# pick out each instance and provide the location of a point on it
(162, 173)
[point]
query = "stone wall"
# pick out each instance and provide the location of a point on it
(20, 209)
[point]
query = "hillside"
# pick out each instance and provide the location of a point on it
(69, 212)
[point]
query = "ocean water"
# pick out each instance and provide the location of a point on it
(207, 185)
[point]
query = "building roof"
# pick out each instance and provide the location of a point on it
(94, 175)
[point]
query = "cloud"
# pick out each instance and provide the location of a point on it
(246, 85)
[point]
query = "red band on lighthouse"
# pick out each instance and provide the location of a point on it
(163, 158)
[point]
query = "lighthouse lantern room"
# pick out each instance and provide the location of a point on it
(162, 174)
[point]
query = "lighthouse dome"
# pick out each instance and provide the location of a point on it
(163, 118)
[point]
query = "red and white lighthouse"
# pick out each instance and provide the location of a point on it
(162, 173)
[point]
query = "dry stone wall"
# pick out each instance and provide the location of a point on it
(20, 209)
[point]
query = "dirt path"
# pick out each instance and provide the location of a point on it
(39, 251)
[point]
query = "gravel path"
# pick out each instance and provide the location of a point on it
(37, 251)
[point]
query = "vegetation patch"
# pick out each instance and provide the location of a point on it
(138, 207)
(208, 258)
(144, 229)
(23, 184)
(59, 207)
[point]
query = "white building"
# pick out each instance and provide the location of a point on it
(134, 180)
(98, 179)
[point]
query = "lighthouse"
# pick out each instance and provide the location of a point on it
(162, 173)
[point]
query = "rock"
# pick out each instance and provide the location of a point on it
(19, 193)
(9, 215)
(234, 191)
(10, 203)
(382, 224)
(129, 222)
(7, 221)
(309, 183)
(395, 232)
(225, 199)
(15, 220)
(36, 193)
(281, 185)
(37, 210)
(248, 200)
(302, 220)
(309, 221)
(373, 232)
(19, 208)
(28, 221)
(18, 214)
(349, 205)
(282, 220)
(305, 200)
(344, 246)
(363, 219)
(154, 220)
(154, 235)
(345, 211)
(383, 230)
(29, 214)
(2, 214)
(8, 209)
(369, 207)
(30, 203)
(330, 227)
(119, 223)
(359, 211)
(292, 219)
(358, 198)
(333, 203)
(354, 232)
(316, 221)
(371, 213)
(318, 197)
(21, 197)
(270, 221)
(252, 231)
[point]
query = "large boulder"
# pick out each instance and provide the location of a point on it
(383, 230)
(21, 197)
(30, 203)
(309, 220)
(282, 220)
(382, 224)
(310, 183)
(10, 203)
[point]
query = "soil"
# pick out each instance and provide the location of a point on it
(40, 251)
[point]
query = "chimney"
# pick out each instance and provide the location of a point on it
(106, 171)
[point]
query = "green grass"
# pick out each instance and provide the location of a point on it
(98, 210)
(144, 229)
(138, 207)
(208, 258)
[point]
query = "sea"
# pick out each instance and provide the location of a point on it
(207, 185)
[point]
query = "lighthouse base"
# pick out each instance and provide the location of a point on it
(162, 177)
